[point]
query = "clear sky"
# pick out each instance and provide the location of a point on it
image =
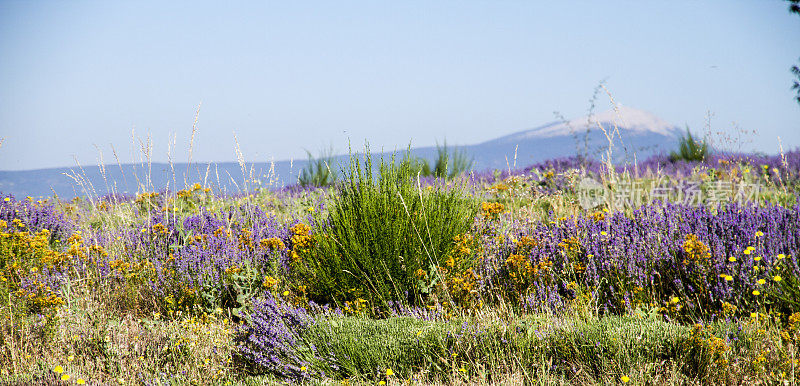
(78, 76)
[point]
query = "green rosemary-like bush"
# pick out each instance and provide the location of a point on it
(690, 149)
(381, 231)
(449, 163)
(319, 171)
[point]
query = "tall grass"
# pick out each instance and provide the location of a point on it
(449, 163)
(320, 171)
(689, 149)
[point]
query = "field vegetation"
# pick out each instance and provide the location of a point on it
(382, 273)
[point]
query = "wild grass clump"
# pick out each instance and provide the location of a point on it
(320, 171)
(689, 149)
(448, 165)
(383, 235)
(491, 346)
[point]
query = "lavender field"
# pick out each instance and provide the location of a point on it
(671, 272)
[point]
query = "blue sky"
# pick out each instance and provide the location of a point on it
(79, 76)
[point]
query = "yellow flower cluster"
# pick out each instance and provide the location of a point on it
(270, 282)
(462, 245)
(159, 229)
(273, 243)
(76, 249)
(525, 244)
(729, 309)
(232, 270)
(98, 250)
(119, 265)
(696, 251)
(707, 345)
(187, 193)
(571, 246)
(146, 200)
(222, 231)
(459, 278)
(355, 307)
(40, 297)
(246, 239)
(491, 210)
(792, 332)
(23, 256)
(598, 216)
(302, 241)
(523, 272)
(499, 188)
(463, 287)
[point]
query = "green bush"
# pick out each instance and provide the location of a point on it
(416, 165)
(319, 171)
(449, 163)
(690, 149)
(380, 231)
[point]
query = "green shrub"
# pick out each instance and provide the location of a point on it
(449, 164)
(690, 149)
(319, 171)
(416, 165)
(380, 232)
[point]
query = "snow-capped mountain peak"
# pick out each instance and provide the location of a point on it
(635, 121)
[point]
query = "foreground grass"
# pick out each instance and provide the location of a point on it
(488, 347)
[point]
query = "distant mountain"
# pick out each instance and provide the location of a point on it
(633, 133)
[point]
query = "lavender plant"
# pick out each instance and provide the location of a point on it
(271, 340)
